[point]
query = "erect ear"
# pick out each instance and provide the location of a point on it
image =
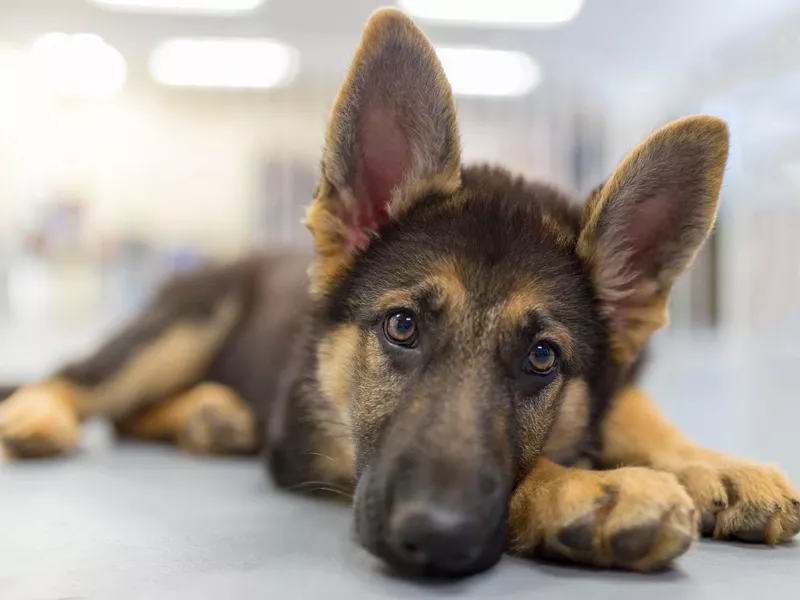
(643, 227)
(391, 140)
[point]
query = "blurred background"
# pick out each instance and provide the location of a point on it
(143, 137)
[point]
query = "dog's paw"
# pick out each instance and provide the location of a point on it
(39, 421)
(741, 499)
(217, 422)
(631, 518)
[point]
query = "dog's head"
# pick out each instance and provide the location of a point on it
(462, 306)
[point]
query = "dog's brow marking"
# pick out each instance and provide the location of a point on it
(395, 299)
(442, 287)
(516, 311)
(519, 305)
(445, 278)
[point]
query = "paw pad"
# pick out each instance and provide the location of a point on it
(579, 535)
(632, 544)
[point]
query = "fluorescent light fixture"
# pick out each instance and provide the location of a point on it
(486, 72)
(224, 63)
(507, 13)
(208, 7)
(80, 65)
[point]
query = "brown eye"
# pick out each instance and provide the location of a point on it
(401, 328)
(541, 360)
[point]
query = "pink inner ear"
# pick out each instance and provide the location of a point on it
(650, 223)
(385, 161)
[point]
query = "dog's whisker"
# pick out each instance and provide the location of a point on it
(303, 484)
(320, 455)
(347, 495)
(323, 486)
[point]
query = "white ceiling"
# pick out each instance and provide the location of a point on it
(611, 43)
(737, 58)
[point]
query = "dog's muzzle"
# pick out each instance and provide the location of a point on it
(423, 520)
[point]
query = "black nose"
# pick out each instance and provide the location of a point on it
(435, 538)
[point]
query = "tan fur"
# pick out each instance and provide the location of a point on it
(336, 354)
(330, 235)
(643, 320)
(171, 362)
(42, 419)
(334, 456)
(431, 123)
(446, 280)
(651, 170)
(573, 419)
(444, 283)
(394, 299)
(515, 309)
(631, 518)
(736, 497)
(209, 418)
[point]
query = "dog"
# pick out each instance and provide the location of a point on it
(461, 355)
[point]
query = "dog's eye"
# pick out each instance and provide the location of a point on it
(541, 361)
(401, 328)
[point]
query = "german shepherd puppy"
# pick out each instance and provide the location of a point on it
(463, 341)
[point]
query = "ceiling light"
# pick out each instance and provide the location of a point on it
(224, 63)
(508, 13)
(485, 72)
(211, 7)
(78, 65)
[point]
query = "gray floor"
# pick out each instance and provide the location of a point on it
(141, 522)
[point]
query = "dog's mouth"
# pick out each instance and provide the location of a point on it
(421, 537)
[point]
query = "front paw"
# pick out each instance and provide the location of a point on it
(631, 518)
(741, 499)
(38, 421)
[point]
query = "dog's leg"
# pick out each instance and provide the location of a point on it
(207, 419)
(737, 498)
(630, 518)
(164, 351)
(40, 420)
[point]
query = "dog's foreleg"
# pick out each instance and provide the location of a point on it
(737, 498)
(209, 418)
(630, 518)
(162, 352)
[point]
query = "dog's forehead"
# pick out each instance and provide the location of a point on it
(499, 245)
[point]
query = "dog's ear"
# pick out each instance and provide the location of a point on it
(643, 227)
(391, 140)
